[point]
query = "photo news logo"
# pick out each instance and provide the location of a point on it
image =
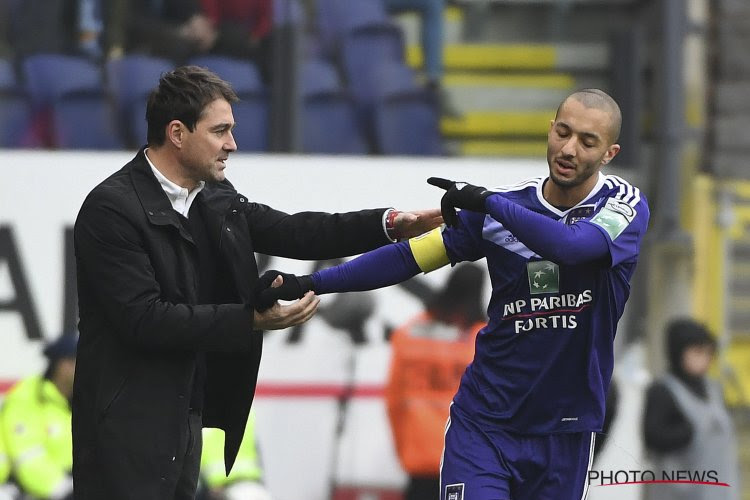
(625, 477)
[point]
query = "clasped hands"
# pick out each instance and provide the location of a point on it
(274, 285)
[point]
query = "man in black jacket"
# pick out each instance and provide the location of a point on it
(169, 338)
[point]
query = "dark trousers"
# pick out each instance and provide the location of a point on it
(187, 485)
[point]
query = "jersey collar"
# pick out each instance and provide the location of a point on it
(562, 213)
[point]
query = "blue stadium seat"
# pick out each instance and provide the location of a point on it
(15, 112)
(287, 12)
(243, 75)
(251, 112)
(48, 77)
(363, 51)
(130, 80)
(393, 77)
(406, 118)
(85, 120)
(71, 88)
(336, 18)
(8, 80)
(318, 76)
(328, 122)
(407, 124)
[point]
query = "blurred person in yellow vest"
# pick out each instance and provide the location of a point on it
(7, 490)
(246, 480)
(35, 425)
(429, 355)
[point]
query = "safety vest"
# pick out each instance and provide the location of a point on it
(4, 462)
(35, 425)
(712, 449)
(428, 359)
(246, 467)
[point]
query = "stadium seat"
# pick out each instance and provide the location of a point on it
(15, 113)
(318, 76)
(287, 12)
(336, 18)
(407, 124)
(393, 77)
(48, 77)
(84, 120)
(71, 88)
(130, 80)
(363, 50)
(328, 122)
(243, 75)
(251, 112)
(406, 117)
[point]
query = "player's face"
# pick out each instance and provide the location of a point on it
(206, 149)
(578, 145)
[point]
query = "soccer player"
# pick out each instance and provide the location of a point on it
(560, 252)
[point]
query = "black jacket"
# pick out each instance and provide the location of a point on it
(140, 328)
(665, 427)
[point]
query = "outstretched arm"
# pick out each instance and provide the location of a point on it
(379, 268)
(569, 244)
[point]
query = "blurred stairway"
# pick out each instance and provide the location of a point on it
(507, 91)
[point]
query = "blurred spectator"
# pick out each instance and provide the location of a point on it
(431, 38)
(91, 28)
(101, 28)
(35, 423)
(5, 51)
(41, 26)
(7, 490)
(686, 424)
(246, 479)
(244, 30)
(173, 29)
(429, 355)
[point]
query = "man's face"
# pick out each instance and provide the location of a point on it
(206, 148)
(578, 144)
(65, 373)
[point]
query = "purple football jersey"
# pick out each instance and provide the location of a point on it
(544, 361)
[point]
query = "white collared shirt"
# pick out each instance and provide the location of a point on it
(179, 197)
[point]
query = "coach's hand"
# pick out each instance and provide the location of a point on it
(275, 285)
(411, 224)
(459, 195)
(278, 317)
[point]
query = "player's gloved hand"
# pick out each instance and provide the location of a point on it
(459, 195)
(292, 288)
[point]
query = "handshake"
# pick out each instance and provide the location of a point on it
(457, 195)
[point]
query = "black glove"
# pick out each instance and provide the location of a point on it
(293, 287)
(459, 195)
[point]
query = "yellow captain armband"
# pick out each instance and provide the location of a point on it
(429, 251)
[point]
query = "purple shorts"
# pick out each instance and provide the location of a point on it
(483, 463)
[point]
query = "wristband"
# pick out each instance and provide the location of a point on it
(390, 228)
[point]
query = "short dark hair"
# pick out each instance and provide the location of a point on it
(183, 94)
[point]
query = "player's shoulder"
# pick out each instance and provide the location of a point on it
(616, 187)
(619, 189)
(618, 197)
